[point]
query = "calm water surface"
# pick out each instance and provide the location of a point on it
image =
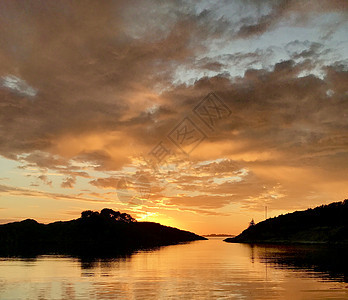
(199, 270)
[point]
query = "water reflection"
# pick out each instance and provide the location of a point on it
(326, 262)
(199, 270)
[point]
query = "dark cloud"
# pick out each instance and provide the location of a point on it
(256, 26)
(291, 11)
(91, 74)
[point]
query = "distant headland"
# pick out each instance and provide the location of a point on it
(107, 232)
(325, 224)
(218, 235)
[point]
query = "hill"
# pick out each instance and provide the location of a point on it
(324, 224)
(106, 233)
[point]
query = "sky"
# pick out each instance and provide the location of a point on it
(194, 114)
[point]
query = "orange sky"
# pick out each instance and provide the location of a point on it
(193, 115)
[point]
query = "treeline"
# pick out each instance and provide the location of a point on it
(107, 215)
(95, 233)
(323, 224)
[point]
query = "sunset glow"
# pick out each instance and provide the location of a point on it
(196, 115)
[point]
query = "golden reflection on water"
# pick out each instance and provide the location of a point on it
(199, 270)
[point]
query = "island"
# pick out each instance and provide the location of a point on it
(325, 224)
(107, 232)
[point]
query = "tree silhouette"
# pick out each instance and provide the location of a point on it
(108, 214)
(88, 214)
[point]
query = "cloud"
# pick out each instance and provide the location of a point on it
(45, 180)
(96, 75)
(106, 183)
(68, 182)
(17, 85)
(256, 26)
(104, 78)
(290, 11)
(16, 191)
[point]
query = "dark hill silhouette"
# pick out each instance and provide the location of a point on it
(106, 233)
(324, 224)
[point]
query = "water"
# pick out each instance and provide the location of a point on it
(199, 270)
